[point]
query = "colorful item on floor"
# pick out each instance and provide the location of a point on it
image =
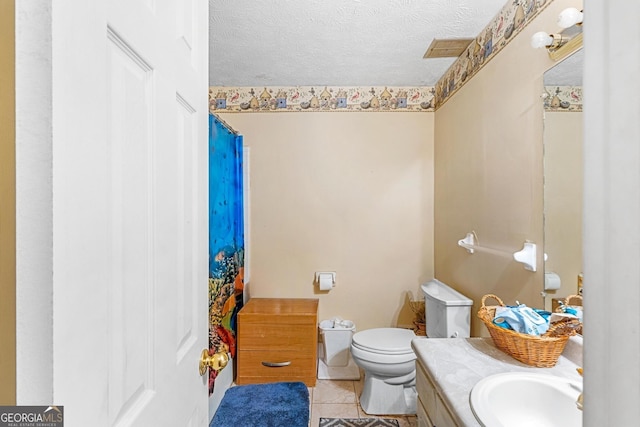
(358, 422)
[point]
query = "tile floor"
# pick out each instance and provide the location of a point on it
(340, 399)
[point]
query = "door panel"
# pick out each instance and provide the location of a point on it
(187, 188)
(130, 229)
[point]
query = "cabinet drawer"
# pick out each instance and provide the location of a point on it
(274, 337)
(251, 365)
(277, 330)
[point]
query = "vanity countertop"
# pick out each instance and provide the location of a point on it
(455, 365)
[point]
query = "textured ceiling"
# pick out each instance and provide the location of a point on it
(337, 42)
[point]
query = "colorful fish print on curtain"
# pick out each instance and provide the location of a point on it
(226, 238)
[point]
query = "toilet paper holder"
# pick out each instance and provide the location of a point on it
(324, 276)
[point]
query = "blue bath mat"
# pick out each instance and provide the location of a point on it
(264, 405)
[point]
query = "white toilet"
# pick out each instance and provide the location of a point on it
(386, 356)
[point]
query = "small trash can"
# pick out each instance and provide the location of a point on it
(336, 339)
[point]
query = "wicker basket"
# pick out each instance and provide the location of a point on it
(574, 301)
(539, 351)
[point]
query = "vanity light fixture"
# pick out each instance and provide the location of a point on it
(560, 45)
(550, 41)
(570, 17)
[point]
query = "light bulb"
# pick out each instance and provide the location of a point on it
(541, 39)
(570, 17)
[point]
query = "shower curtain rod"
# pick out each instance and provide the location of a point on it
(225, 124)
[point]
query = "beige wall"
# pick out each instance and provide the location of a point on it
(563, 197)
(344, 192)
(7, 206)
(489, 172)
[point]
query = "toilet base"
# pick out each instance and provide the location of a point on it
(380, 398)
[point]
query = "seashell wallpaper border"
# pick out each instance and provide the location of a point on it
(563, 98)
(320, 98)
(513, 17)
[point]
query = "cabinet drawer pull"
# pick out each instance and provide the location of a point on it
(276, 364)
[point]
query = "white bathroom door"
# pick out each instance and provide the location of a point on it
(130, 228)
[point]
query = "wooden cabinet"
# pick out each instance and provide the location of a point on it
(277, 341)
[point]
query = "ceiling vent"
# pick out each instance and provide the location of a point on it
(447, 48)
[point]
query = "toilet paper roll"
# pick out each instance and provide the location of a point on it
(325, 281)
(551, 281)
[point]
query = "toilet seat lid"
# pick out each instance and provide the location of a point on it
(385, 340)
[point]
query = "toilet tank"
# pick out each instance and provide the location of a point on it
(448, 312)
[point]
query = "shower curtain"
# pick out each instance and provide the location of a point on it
(226, 238)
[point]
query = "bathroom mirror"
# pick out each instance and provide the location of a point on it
(563, 177)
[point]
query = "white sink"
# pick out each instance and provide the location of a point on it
(521, 399)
